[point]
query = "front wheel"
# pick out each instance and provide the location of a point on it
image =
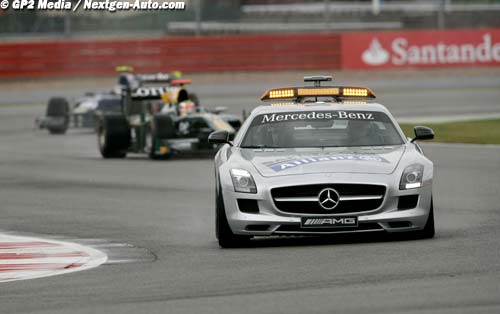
(113, 137)
(151, 148)
(429, 230)
(224, 234)
(57, 116)
(162, 129)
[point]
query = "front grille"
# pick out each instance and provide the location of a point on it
(306, 198)
(289, 229)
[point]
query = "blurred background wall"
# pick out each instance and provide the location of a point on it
(253, 16)
(227, 35)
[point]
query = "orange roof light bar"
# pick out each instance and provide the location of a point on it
(335, 91)
(281, 93)
(355, 91)
(328, 91)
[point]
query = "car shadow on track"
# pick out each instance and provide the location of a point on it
(142, 157)
(339, 239)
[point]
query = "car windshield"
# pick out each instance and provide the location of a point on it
(321, 129)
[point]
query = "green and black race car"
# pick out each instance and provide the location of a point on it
(159, 121)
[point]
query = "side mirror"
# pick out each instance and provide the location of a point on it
(219, 137)
(422, 133)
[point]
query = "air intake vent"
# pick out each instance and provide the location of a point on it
(248, 205)
(407, 202)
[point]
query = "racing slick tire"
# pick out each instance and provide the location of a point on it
(194, 98)
(429, 229)
(223, 232)
(151, 148)
(163, 126)
(57, 115)
(113, 137)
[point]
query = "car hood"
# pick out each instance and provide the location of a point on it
(279, 162)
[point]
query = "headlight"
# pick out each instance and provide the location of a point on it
(243, 181)
(412, 177)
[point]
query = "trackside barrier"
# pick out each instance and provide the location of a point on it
(293, 51)
(421, 49)
(190, 54)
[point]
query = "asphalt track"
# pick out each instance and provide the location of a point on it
(154, 219)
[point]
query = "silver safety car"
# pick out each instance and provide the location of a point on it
(321, 160)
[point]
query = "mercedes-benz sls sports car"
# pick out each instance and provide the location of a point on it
(321, 160)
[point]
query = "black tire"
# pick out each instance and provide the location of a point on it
(194, 98)
(113, 136)
(429, 230)
(152, 149)
(223, 232)
(53, 130)
(58, 108)
(163, 126)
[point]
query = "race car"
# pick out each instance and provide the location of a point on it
(232, 119)
(84, 112)
(170, 102)
(159, 121)
(86, 109)
(60, 114)
(321, 160)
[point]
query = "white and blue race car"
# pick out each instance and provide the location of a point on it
(321, 160)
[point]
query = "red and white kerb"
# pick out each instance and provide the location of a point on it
(27, 257)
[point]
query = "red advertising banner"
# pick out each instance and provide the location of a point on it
(421, 49)
(191, 54)
(258, 52)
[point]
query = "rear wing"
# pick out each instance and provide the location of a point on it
(160, 77)
(168, 78)
(151, 93)
(155, 77)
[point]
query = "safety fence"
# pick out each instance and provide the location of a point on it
(328, 51)
(189, 54)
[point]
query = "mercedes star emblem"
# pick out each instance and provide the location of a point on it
(328, 198)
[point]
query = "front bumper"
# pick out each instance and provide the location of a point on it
(387, 217)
